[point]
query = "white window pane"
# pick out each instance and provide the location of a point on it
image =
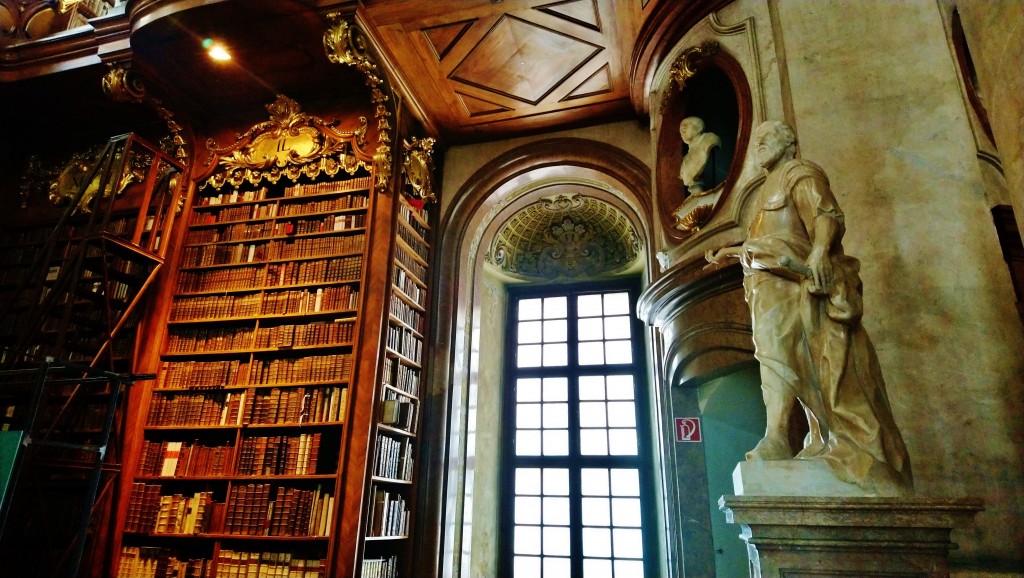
(556, 482)
(597, 542)
(596, 568)
(528, 416)
(527, 443)
(594, 442)
(556, 415)
(592, 387)
(530, 332)
(528, 481)
(556, 541)
(529, 309)
(616, 304)
(625, 482)
(590, 329)
(528, 356)
(589, 306)
(556, 330)
(623, 442)
(557, 567)
(527, 540)
(621, 414)
(629, 568)
(626, 512)
(594, 482)
(618, 352)
(616, 327)
(555, 307)
(556, 389)
(527, 510)
(620, 387)
(629, 543)
(556, 512)
(528, 389)
(555, 354)
(526, 567)
(591, 353)
(556, 442)
(595, 512)
(592, 414)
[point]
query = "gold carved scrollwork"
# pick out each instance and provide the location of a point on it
(686, 65)
(122, 85)
(345, 44)
(291, 144)
(418, 166)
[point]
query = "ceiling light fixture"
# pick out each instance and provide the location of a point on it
(216, 50)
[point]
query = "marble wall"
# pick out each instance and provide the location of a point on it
(872, 90)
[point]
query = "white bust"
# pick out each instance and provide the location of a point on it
(700, 143)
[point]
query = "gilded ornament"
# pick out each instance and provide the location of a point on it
(121, 85)
(686, 64)
(696, 218)
(418, 166)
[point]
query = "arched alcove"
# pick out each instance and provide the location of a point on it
(469, 323)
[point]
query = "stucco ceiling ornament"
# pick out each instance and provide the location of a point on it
(345, 44)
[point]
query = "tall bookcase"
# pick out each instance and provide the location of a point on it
(280, 434)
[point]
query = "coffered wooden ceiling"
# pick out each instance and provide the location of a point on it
(480, 67)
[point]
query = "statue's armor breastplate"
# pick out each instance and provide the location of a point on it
(778, 215)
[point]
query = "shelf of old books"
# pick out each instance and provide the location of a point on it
(239, 467)
(391, 500)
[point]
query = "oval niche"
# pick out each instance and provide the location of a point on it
(694, 179)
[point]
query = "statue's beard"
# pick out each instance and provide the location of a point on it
(768, 159)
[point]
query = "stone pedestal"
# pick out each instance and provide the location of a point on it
(833, 537)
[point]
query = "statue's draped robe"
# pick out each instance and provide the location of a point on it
(812, 346)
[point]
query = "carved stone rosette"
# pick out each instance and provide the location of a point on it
(418, 166)
(345, 44)
(291, 144)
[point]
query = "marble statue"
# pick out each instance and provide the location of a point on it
(700, 145)
(805, 302)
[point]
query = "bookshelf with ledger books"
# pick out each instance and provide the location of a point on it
(241, 466)
(387, 551)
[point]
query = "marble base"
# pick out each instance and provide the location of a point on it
(843, 537)
(789, 478)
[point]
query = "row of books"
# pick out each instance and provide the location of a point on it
(412, 217)
(398, 411)
(234, 278)
(234, 232)
(323, 206)
(296, 301)
(178, 514)
(407, 313)
(333, 332)
(334, 298)
(389, 514)
(242, 253)
(234, 564)
(312, 368)
(192, 374)
(152, 562)
(191, 339)
(234, 196)
(279, 455)
(292, 512)
(238, 213)
(316, 246)
(405, 343)
(394, 458)
(380, 568)
(419, 270)
(217, 306)
(292, 406)
(324, 187)
(183, 459)
(319, 271)
(343, 222)
(414, 242)
(401, 376)
(409, 286)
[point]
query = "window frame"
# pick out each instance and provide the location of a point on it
(643, 461)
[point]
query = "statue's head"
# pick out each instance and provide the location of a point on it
(690, 127)
(774, 141)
